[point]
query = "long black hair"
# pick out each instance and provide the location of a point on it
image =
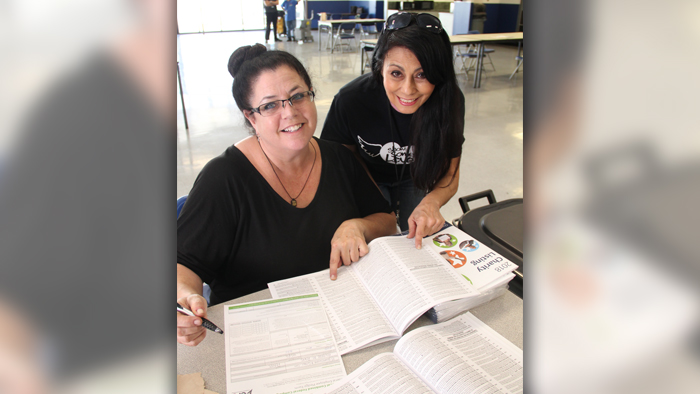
(248, 62)
(437, 125)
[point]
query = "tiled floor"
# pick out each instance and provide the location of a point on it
(492, 154)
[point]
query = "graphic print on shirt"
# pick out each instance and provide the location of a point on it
(391, 152)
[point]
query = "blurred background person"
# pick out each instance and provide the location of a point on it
(290, 8)
(271, 19)
(85, 224)
(612, 300)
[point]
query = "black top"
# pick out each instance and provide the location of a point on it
(238, 234)
(361, 115)
(272, 9)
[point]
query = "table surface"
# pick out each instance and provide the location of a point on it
(469, 38)
(338, 21)
(503, 314)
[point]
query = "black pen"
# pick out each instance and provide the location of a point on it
(206, 323)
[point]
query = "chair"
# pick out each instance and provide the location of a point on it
(519, 59)
(206, 290)
(180, 204)
(366, 56)
(346, 31)
(472, 53)
(367, 29)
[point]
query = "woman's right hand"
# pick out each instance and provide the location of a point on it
(189, 329)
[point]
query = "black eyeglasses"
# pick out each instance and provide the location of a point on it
(273, 107)
(402, 19)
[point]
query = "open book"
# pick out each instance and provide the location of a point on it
(377, 298)
(460, 356)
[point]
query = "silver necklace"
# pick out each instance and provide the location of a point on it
(294, 199)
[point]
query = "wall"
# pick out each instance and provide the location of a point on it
(374, 8)
(501, 15)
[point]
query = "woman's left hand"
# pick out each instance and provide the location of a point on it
(425, 220)
(347, 246)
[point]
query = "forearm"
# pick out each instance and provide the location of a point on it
(187, 282)
(377, 225)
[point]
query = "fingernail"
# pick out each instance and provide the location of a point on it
(333, 277)
(418, 247)
(200, 311)
(197, 322)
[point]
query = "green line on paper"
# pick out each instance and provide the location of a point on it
(267, 302)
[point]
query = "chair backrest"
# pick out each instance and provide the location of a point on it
(347, 28)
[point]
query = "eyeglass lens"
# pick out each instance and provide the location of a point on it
(273, 107)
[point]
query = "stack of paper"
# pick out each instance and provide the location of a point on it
(486, 270)
(460, 356)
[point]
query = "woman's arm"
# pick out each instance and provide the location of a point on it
(189, 294)
(350, 240)
(426, 218)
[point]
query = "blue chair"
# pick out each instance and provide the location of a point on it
(206, 290)
(472, 54)
(346, 31)
(180, 204)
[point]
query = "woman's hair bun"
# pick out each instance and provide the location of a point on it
(242, 55)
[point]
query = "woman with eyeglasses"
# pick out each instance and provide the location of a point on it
(405, 121)
(275, 205)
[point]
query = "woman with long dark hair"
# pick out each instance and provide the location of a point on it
(408, 113)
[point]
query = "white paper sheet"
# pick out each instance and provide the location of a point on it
(355, 317)
(382, 374)
(280, 346)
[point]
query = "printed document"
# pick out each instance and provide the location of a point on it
(280, 346)
(461, 356)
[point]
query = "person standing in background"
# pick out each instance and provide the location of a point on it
(271, 16)
(290, 8)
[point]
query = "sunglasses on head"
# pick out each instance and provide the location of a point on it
(402, 19)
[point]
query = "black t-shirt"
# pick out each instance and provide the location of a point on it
(238, 234)
(361, 115)
(270, 9)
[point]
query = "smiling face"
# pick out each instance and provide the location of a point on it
(405, 82)
(293, 126)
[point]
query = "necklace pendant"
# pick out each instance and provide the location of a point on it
(294, 202)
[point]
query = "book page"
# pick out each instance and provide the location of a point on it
(354, 316)
(382, 374)
(463, 355)
(280, 346)
(406, 281)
